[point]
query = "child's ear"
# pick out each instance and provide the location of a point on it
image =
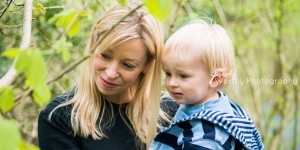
(216, 81)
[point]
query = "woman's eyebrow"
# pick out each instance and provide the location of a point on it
(132, 60)
(108, 51)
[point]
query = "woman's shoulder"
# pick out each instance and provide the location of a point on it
(167, 100)
(168, 104)
(59, 126)
(59, 100)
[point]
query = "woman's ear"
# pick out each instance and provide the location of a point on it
(146, 68)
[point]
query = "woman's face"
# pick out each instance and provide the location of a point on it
(119, 68)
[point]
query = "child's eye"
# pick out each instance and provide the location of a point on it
(105, 56)
(128, 66)
(183, 76)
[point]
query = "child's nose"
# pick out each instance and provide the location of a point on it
(173, 82)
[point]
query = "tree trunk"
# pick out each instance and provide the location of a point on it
(11, 74)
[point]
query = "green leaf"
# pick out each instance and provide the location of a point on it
(27, 84)
(41, 8)
(52, 19)
(60, 23)
(10, 136)
(11, 53)
(41, 94)
(60, 17)
(66, 55)
(23, 61)
(123, 2)
(7, 99)
(36, 72)
(68, 18)
(182, 2)
(84, 13)
(65, 19)
(74, 29)
(63, 48)
(26, 146)
(31, 62)
(159, 8)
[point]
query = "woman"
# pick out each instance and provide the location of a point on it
(116, 101)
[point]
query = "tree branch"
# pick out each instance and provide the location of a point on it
(276, 137)
(5, 8)
(102, 7)
(174, 17)
(55, 7)
(62, 35)
(72, 22)
(18, 4)
(279, 74)
(296, 117)
(221, 13)
(8, 78)
(65, 71)
(270, 16)
(188, 8)
(11, 26)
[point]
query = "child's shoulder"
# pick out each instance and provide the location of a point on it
(232, 105)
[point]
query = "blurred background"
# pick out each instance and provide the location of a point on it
(265, 33)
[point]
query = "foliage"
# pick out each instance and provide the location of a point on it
(10, 136)
(160, 9)
(7, 99)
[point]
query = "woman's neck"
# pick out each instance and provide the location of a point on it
(123, 98)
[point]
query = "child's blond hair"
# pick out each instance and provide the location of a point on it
(206, 41)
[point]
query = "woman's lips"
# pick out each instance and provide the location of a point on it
(107, 84)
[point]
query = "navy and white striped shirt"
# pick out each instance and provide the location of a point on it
(216, 124)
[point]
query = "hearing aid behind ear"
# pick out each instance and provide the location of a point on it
(213, 76)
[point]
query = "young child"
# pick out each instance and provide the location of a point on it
(198, 60)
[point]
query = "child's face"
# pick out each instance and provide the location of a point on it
(187, 81)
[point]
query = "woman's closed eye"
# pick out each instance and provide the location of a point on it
(128, 66)
(105, 56)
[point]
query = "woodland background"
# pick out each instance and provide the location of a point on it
(42, 43)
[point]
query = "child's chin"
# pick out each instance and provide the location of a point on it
(180, 102)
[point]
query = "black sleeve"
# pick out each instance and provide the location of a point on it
(56, 134)
(169, 106)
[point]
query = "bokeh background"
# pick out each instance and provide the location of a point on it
(266, 36)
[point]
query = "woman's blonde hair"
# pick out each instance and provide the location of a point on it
(88, 106)
(207, 42)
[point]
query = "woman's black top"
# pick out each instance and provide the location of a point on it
(57, 134)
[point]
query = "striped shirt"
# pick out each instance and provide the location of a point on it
(216, 124)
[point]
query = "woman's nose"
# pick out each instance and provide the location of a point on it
(112, 71)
